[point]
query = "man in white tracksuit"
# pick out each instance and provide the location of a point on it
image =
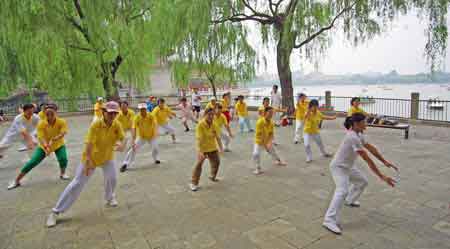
(349, 179)
(145, 129)
(23, 128)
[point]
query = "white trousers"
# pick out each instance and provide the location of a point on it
(167, 128)
(225, 137)
(8, 140)
(298, 130)
(350, 183)
(73, 190)
(131, 154)
(308, 140)
(257, 154)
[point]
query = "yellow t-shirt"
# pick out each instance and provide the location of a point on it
(126, 120)
(146, 128)
(261, 110)
(354, 110)
(206, 136)
(225, 105)
(301, 109)
(103, 140)
(98, 110)
(220, 121)
(46, 132)
(42, 115)
(162, 115)
(264, 131)
(241, 109)
(210, 105)
(312, 123)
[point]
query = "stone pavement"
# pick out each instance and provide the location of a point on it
(282, 209)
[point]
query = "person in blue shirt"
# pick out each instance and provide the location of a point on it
(151, 103)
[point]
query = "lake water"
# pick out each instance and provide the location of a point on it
(395, 106)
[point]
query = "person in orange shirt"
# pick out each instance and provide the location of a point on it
(102, 138)
(50, 133)
(208, 145)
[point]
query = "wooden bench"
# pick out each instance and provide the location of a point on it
(404, 127)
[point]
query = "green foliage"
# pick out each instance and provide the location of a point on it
(70, 48)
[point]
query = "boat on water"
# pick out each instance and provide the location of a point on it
(435, 104)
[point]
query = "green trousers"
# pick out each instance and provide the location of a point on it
(39, 155)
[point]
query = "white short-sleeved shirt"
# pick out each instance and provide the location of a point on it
(20, 123)
(275, 99)
(186, 111)
(195, 99)
(348, 150)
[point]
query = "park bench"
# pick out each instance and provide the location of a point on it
(404, 127)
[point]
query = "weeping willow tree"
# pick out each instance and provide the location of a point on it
(75, 47)
(222, 56)
(304, 25)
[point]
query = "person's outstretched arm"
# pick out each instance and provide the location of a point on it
(375, 169)
(374, 151)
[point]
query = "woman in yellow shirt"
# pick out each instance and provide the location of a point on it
(163, 113)
(266, 103)
(226, 98)
(50, 134)
(102, 137)
(125, 118)
(264, 140)
(311, 129)
(300, 112)
(98, 107)
(208, 146)
(242, 113)
(145, 129)
(220, 120)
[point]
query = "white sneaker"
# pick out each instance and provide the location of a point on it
(257, 172)
(193, 187)
(51, 220)
(332, 227)
(64, 177)
(308, 160)
(13, 185)
(112, 203)
(354, 204)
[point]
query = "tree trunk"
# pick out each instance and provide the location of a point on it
(285, 75)
(213, 86)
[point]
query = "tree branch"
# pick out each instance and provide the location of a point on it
(138, 15)
(326, 28)
(78, 8)
(239, 17)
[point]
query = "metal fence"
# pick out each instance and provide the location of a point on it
(438, 110)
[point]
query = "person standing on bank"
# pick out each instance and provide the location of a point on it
(145, 129)
(196, 104)
(276, 102)
(208, 146)
(50, 134)
(300, 112)
(264, 140)
(349, 179)
(23, 126)
(311, 130)
(220, 120)
(102, 138)
(163, 113)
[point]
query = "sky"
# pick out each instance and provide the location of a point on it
(401, 48)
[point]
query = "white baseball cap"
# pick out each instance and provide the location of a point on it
(212, 98)
(112, 106)
(99, 98)
(142, 106)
